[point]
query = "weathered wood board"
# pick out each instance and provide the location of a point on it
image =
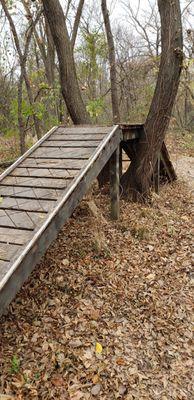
(80, 153)
(71, 143)
(44, 173)
(81, 137)
(39, 205)
(27, 181)
(29, 193)
(52, 163)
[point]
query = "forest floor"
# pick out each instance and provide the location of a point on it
(107, 313)
(182, 153)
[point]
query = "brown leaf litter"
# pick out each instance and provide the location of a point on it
(123, 288)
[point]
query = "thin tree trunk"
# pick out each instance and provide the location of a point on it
(136, 182)
(50, 56)
(20, 116)
(104, 175)
(76, 22)
(46, 46)
(23, 59)
(186, 99)
(112, 62)
(69, 83)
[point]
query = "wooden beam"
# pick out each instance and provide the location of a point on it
(114, 184)
(120, 161)
(130, 132)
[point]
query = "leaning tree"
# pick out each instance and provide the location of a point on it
(136, 181)
(64, 47)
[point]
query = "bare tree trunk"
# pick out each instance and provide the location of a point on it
(20, 116)
(104, 175)
(50, 56)
(69, 83)
(136, 181)
(23, 58)
(112, 62)
(45, 45)
(76, 22)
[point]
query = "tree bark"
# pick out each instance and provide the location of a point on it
(45, 45)
(112, 62)
(23, 58)
(136, 182)
(20, 116)
(50, 55)
(69, 83)
(76, 22)
(104, 175)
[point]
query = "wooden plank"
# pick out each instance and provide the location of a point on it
(120, 161)
(14, 236)
(81, 137)
(132, 131)
(45, 172)
(53, 163)
(35, 182)
(4, 268)
(114, 184)
(70, 153)
(5, 220)
(26, 204)
(71, 143)
(29, 193)
(32, 253)
(8, 251)
(21, 219)
(82, 130)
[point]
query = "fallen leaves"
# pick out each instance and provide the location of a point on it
(96, 389)
(95, 379)
(6, 397)
(120, 361)
(98, 348)
(109, 320)
(77, 396)
(151, 277)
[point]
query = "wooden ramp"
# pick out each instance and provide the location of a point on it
(39, 192)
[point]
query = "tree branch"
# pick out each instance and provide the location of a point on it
(76, 22)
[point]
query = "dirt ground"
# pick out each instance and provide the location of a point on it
(184, 167)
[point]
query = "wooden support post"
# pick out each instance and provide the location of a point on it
(120, 161)
(114, 184)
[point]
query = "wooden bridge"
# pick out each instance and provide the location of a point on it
(40, 191)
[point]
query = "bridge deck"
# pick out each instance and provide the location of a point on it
(39, 192)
